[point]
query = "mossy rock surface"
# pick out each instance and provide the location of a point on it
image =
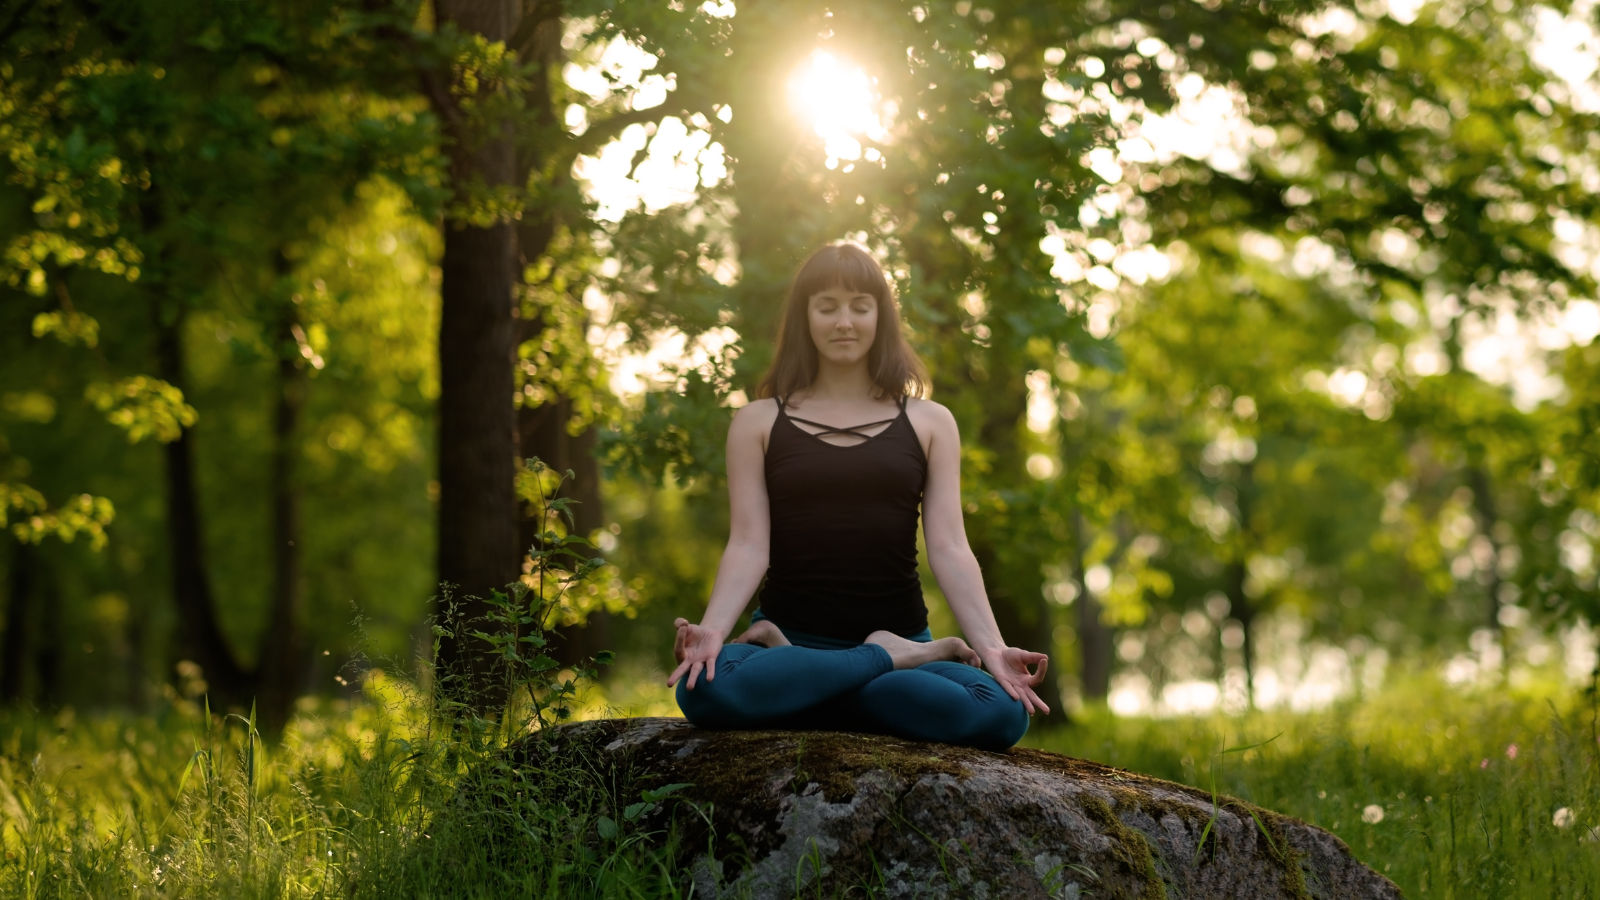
(830, 814)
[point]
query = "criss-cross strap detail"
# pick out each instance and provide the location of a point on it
(852, 430)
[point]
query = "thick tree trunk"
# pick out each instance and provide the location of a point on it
(477, 341)
(202, 639)
(14, 653)
(282, 659)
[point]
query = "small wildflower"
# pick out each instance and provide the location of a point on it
(1484, 764)
(1563, 818)
(1511, 752)
(1373, 814)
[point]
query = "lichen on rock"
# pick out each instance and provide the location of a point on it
(851, 814)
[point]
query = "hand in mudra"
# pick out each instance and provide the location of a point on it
(1010, 667)
(696, 648)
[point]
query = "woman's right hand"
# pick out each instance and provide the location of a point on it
(696, 648)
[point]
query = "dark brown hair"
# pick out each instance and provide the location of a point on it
(893, 365)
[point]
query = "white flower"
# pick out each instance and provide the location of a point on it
(1373, 814)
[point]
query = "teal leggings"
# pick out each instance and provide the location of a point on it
(855, 689)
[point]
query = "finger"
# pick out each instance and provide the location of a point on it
(1038, 675)
(1029, 700)
(679, 622)
(1011, 689)
(672, 680)
(711, 668)
(1039, 703)
(694, 673)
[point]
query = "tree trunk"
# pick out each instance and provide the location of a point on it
(1024, 622)
(781, 216)
(1483, 504)
(282, 659)
(543, 434)
(477, 342)
(1094, 636)
(52, 647)
(542, 431)
(1242, 605)
(14, 654)
(202, 639)
(1243, 608)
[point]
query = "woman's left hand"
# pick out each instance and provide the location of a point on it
(1010, 667)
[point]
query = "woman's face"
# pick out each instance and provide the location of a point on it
(843, 324)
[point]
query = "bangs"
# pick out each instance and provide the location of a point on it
(842, 265)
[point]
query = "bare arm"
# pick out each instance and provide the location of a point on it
(744, 561)
(954, 565)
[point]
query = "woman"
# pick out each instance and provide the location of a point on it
(827, 512)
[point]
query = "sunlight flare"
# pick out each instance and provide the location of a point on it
(840, 103)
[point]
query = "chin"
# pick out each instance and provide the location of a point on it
(845, 359)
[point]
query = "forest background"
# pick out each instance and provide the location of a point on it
(1270, 328)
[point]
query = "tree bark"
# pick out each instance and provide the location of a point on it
(52, 647)
(1023, 622)
(282, 659)
(14, 653)
(1483, 504)
(1234, 573)
(477, 342)
(1094, 636)
(202, 639)
(542, 432)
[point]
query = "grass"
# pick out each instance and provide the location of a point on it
(1452, 794)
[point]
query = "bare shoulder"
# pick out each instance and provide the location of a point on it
(754, 419)
(930, 418)
(934, 425)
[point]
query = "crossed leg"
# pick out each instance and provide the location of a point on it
(854, 690)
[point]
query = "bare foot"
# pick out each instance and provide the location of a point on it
(908, 654)
(764, 634)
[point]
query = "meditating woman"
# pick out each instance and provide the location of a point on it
(825, 477)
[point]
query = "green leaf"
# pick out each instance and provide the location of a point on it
(635, 810)
(607, 828)
(661, 793)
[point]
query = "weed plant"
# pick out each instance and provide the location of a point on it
(405, 792)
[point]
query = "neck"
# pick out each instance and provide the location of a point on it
(834, 382)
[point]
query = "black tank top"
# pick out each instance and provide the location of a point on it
(843, 560)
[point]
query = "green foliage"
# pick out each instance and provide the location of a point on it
(519, 619)
(143, 407)
(36, 520)
(405, 793)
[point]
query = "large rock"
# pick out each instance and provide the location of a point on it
(829, 814)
